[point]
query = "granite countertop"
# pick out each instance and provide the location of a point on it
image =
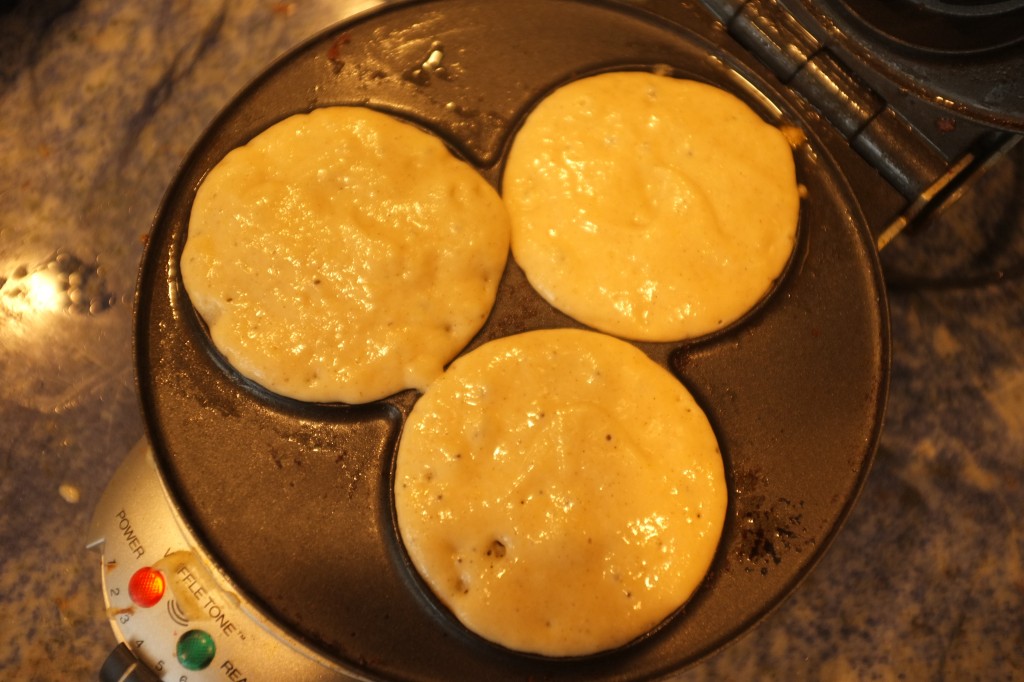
(99, 103)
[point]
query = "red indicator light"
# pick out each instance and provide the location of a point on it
(146, 587)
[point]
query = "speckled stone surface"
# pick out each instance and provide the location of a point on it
(99, 103)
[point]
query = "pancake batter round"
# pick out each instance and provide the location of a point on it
(343, 256)
(650, 207)
(559, 492)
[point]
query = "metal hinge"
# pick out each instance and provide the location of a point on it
(880, 134)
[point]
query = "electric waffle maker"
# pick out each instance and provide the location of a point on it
(252, 537)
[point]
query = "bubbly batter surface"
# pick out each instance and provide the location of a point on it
(650, 207)
(343, 255)
(559, 492)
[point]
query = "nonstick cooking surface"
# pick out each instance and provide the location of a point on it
(293, 499)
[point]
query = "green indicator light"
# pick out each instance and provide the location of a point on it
(196, 649)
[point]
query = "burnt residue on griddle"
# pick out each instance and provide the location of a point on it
(431, 66)
(768, 528)
(336, 51)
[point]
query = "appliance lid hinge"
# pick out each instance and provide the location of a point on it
(881, 135)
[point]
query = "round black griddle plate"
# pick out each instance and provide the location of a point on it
(293, 500)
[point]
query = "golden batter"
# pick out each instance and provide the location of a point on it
(559, 491)
(650, 207)
(343, 255)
